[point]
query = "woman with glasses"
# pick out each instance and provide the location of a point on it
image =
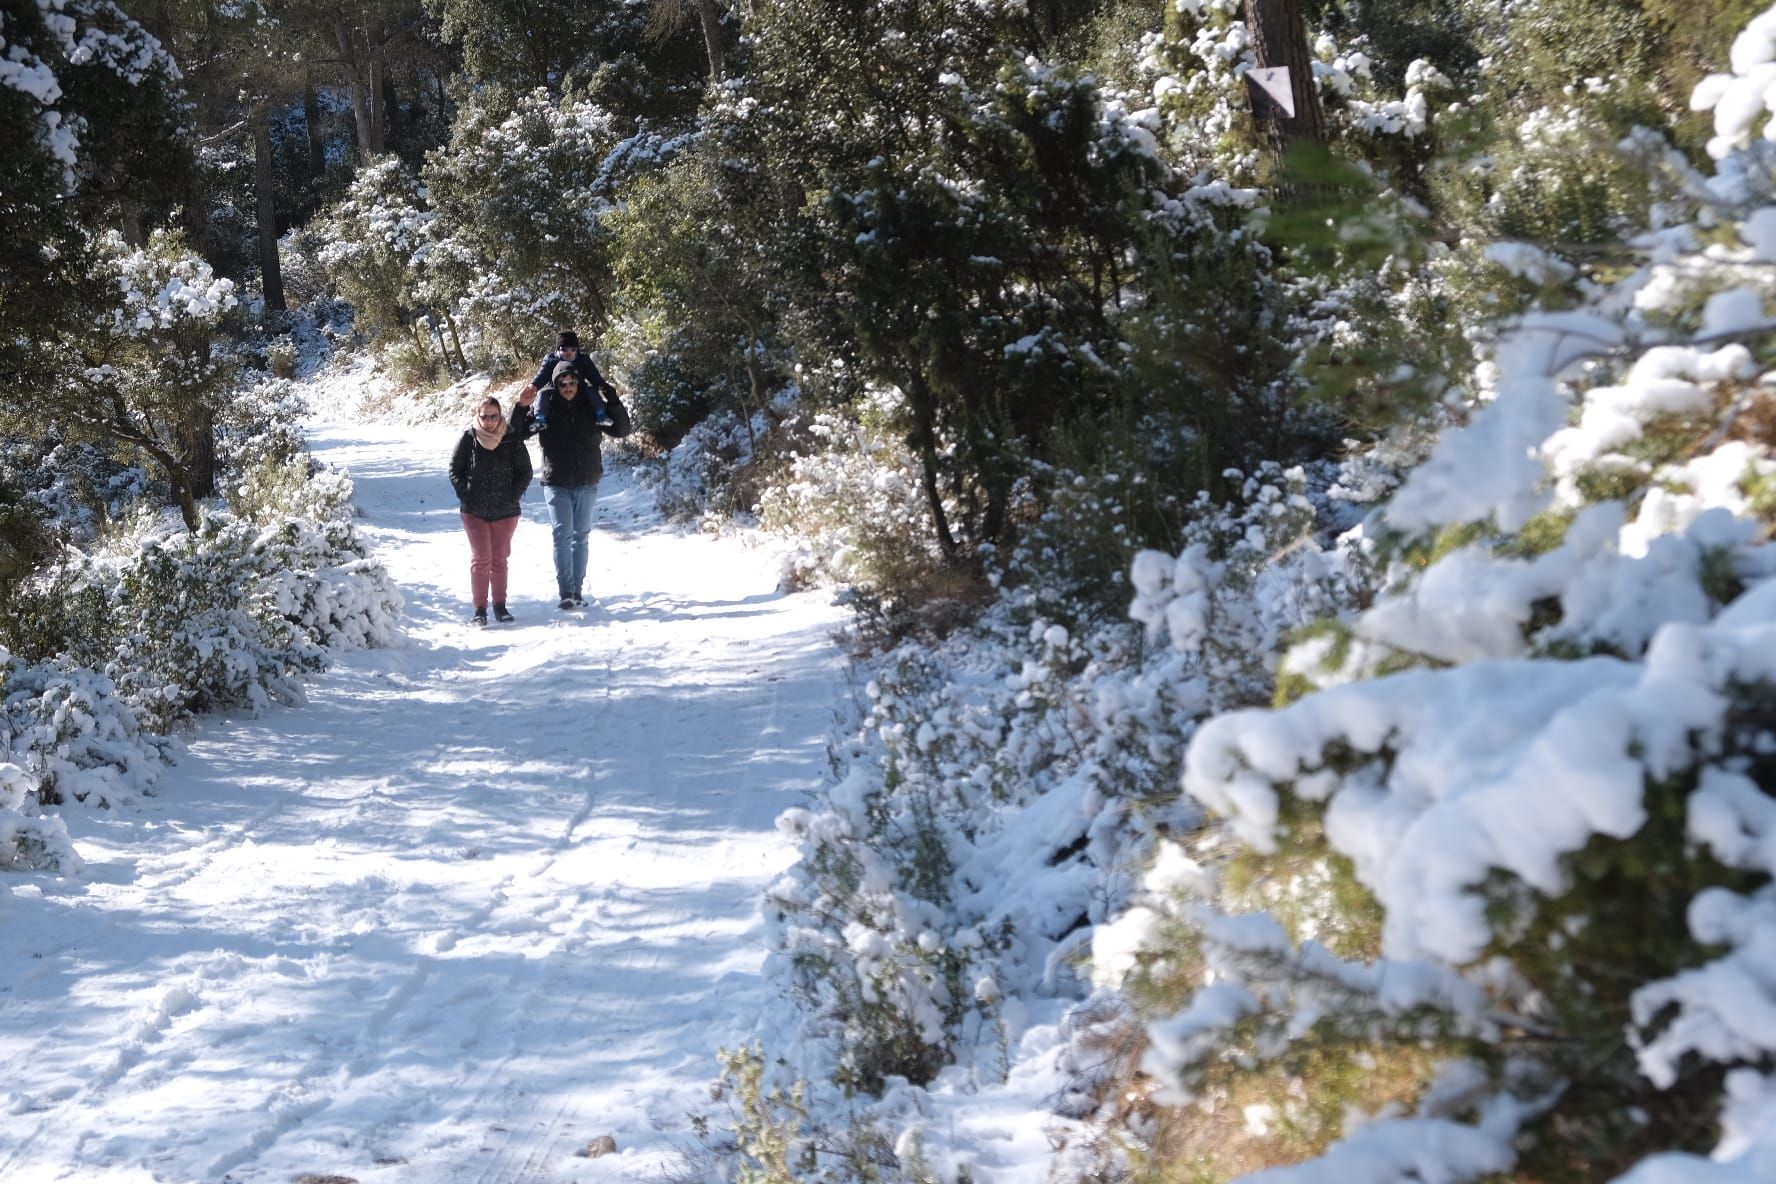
(490, 471)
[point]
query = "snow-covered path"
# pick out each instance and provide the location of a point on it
(488, 896)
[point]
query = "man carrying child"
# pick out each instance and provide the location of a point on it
(573, 460)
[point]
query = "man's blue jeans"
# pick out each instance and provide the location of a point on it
(570, 517)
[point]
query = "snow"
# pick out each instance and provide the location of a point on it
(1529, 262)
(1406, 1151)
(1739, 98)
(488, 896)
(1492, 467)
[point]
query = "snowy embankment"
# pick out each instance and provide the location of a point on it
(487, 897)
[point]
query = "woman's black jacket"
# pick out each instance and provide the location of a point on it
(490, 483)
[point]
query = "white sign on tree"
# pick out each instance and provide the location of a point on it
(1274, 81)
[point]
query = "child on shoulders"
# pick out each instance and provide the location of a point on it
(592, 384)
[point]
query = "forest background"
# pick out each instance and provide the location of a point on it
(1310, 560)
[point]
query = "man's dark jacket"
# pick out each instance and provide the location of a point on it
(572, 453)
(491, 484)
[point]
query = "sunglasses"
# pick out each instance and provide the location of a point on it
(490, 415)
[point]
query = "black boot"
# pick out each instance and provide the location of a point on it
(500, 614)
(480, 617)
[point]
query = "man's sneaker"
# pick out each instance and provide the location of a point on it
(603, 419)
(579, 601)
(567, 602)
(480, 617)
(500, 614)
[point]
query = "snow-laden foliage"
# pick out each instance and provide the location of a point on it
(75, 737)
(260, 425)
(697, 480)
(1531, 687)
(150, 368)
(1557, 702)
(536, 168)
(93, 112)
(80, 33)
(995, 803)
(29, 839)
(69, 488)
(848, 494)
(379, 247)
(138, 624)
(66, 736)
(499, 241)
(233, 615)
(522, 194)
(321, 576)
(196, 618)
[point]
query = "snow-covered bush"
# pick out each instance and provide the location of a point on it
(67, 737)
(139, 624)
(261, 424)
(75, 737)
(381, 251)
(168, 624)
(1248, 576)
(773, 1135)
(194, 615)
(302, 262)
(870, 928)
(999, 794)
(73, 488)
(29, 839)
(1493, 890)
(698, 478)
(850, 495)
(320, 575)
(233, 616)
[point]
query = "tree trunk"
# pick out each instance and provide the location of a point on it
(194, 219)
(756, 382)
(443, 346)
(378, 100)
(129, 212)
(187, 503)
(1279, 39)
(712, 39)
(354, 81)
(391, 111)
(924, 441)
(450, 323)
(265, 181)
(197, 440)
(311, 115)
(178, 478)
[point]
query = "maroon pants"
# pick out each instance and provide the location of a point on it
(490, 543)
